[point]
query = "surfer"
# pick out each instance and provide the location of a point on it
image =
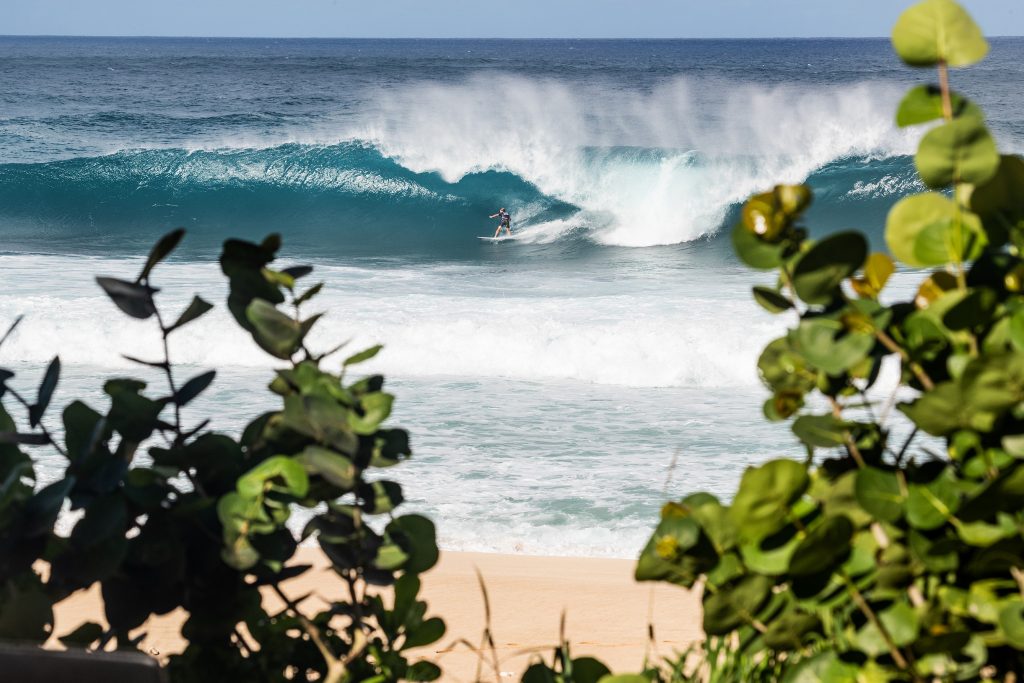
(506, 221)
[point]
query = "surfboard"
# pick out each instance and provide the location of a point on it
(494, 239)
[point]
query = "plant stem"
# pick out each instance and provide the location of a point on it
(335, 668)
(851, 446)
(168, 370)
(906, 445)
(918, 371)
(865, 608)
(42, 427)
(947, 101)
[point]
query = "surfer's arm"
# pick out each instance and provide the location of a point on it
(493, 215)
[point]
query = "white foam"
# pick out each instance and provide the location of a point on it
(457, 320)
(717, 142)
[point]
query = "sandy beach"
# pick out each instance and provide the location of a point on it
(606, 612)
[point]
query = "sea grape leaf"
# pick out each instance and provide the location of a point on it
(961, 150)
(878, 492)
(821, 431)
(762, 502)
(1000, 201)
(924, 103)
(877, 270)
(937, 31)
(929, 230)
(932, 504)
(754, 251)
(772, 300)
(334, 467)
(820, 271)
(824, 548)
(275, 332)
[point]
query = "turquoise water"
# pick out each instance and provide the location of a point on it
(558, 386)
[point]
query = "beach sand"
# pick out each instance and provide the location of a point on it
(606, 611)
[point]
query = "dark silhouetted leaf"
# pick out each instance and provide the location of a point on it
(134, 299)
(194, 387)
(160, 251)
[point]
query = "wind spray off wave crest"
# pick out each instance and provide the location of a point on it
(661, 166)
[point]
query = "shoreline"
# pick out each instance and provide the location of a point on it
(606, 613)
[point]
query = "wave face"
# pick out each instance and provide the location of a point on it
(422, 166)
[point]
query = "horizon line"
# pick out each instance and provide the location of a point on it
(494, 38)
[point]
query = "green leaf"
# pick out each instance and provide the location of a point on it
(823, 431)
(961, 150)
(825, 667)
(275, 332)
(334, 467)
(588, 670)
(782, 369)
(362, 356)
(938, 411)
(772, 300)
(381, 497)
(1000, 201)
(930, 505)
(278, 473)
(900, 621)
(762, 502)
(45, 392)
(937, 31)
(666, 556)
(134, 299)
(1011, 622)
(877, 270)
(924, 103)
(754, 251)
(789, 630)
(194, 387)
(430, 631)
(973, 311)
(418, 537)
(771, 555)
(729, 608)
(423, 671)
(196, 309)
(309, 294)
(922, 230)
(820, 271)
(828, 345)
(1017, 328)
(878, 492)
(376, 408)
(824, 548)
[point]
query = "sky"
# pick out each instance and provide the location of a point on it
(480, 18)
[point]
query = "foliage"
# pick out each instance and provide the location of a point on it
(200, 524)
(895, 551)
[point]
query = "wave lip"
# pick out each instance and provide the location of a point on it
(663, 166)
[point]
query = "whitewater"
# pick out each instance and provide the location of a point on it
(558, 386)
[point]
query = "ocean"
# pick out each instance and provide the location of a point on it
(558, 386)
